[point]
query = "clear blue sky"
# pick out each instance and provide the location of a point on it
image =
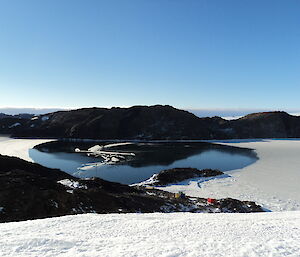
(189, 54)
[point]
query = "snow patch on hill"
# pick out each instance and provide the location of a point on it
(69, 183)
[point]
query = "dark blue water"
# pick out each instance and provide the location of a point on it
(150, 159)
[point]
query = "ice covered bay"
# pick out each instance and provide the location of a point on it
(273, 181)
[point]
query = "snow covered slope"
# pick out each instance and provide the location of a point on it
(273, 181)
(177, 234)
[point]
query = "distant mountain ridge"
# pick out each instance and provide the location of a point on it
(158, 122)
(20, 115)
(35, 111)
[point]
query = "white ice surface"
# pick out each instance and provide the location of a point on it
(273, 181)
(118, 144)
(232, 117)
(176, 234)
(19, 147)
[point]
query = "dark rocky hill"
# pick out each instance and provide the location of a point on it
(9, 123)
(138, 122)
(150, 122)
(258, 125)
(267, 125)
(3, 115)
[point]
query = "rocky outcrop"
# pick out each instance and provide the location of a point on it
(26, 116)
(30, 191)
(3, 115)
(175, 175)
(233, 205)
(10, 123)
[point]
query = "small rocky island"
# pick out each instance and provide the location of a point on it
(171, 176)
(31, 191)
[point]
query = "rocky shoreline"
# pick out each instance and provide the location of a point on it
(31, 191)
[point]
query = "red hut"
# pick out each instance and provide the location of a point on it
(211, 200)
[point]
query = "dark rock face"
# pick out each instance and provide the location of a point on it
(138, 122)
(10, 124)
(3, 115)
(175, 175)
(267, 125)
(150, 122)
(31, 191)
(263, 125)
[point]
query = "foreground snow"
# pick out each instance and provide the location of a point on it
(272, 181)
(19, 147)
(177, 234)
